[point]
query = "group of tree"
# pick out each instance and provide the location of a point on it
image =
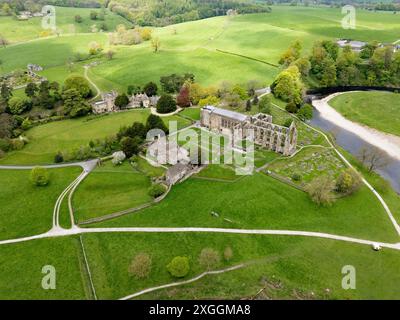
(124, 36)
(174, 82)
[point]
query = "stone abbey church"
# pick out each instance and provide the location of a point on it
(266, 134)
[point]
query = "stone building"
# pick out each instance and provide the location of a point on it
(107, 104)
(266, 134)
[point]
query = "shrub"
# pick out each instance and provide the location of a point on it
(292, 107)
(58, 158)
(78, 83)
(179, 267)
(121, 101)
(78, 19)
(5, 145)
(39, 176)
(18, 105)
(209, 258)
(150, 89)
(321, 190)
(348, 182)
(140, 266)
(166, 104)
(26, 124)
(264, 104)
(157, 190)
(305, 112)
(228, 253)
(288, 123)
(17, 144)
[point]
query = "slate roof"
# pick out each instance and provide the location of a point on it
(227, 113)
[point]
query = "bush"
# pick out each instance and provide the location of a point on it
(305, 112)
(18, 105)
(292, 107)
(179, 267)
(157, 190)
(39, 176)
(348, 182)
(121, 101)
(209, 258)
(150, 89)
(17, 144)
(264, 105)
(166, 104)
(288, 123)
(5, 145)
(59, 158)
(140, 266)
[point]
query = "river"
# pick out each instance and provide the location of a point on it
(352, 143)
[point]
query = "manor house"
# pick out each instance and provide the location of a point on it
(266, 134)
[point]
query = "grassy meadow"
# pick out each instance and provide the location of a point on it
(18, 31)
(109, 189)
(265, 204)
(301, 266)
(48, 139)
(26, 209)
(375, 109)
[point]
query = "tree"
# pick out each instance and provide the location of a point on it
(78, 19)
(93, 15)
(183, 98)
(288, 86)
(291, 54)
(292, 107)
(373, 158)
(59, 158)
(155, 122)
(80, 84)
(348, 182)
(166, 104)
(228, 253)
(328, 77)
(209, 101)
(305, 112)
(265, 104)
(130, 146)
(155, 44)
(179, 267)
(248, 105)
(3, 41)
(321, 190)
(140, 266)
(18, 105)
(209, 258)
(304, 66)
(121, 101)
(74, 104)
(5, 92)
(39, 176)
(31, 89)
(133, 90)
(150, 89)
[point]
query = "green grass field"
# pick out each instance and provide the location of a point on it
(48, 139)
(265, 204)
(22, 264)
(304, 265)
(18, 31)
(193, 46)
(378, 110)
(28, 210)
(109, 189)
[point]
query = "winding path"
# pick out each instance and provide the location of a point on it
(98, 91)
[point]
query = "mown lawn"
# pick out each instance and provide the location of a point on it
(48, 139)
(26, 209)
(378, 110)
(300, 264)
(110, 189)
(261, 202)
(21, 270)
